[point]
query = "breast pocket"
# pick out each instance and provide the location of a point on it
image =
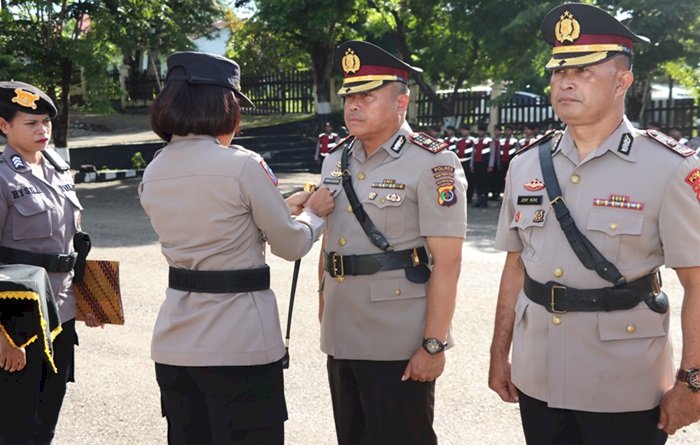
(389, 206)
(610, 228)
(530, 224)
(33, 219)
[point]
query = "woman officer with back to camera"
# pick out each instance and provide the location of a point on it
(217, 341)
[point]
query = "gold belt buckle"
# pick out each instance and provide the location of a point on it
(338, 266)
(552, 303)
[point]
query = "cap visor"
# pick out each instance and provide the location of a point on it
(578, 59)
(362, 87)
(243, 100)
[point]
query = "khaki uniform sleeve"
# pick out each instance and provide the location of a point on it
(679, 216)
(441, 192)
(507, 238)
(288, 239)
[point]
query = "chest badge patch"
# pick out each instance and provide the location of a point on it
(517, 217)
(530, 200)
(619, 202)
(372, 195)
(393, 197)
(538, 217)
(534, 185)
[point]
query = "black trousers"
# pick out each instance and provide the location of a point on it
(470, 180)
(372, 406)
(223, 405)
(552, 426)
(32, 398)
(483, 181)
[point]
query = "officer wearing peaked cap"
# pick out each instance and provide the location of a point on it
(217, 342)
(39, 216)
(589, 216)
(385, 305)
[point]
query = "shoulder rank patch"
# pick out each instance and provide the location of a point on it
(669, 142)
(341, 143)
(427, 142)
(17, 162)
(549, 134)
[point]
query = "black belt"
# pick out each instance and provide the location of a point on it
(338, 265)
(220, 281)
(557, 298)
(50, 262)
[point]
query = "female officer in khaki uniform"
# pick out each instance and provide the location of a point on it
(39, 215)
(217, 342)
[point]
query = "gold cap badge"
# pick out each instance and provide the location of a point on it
(567, 28)
(351, 63)
(25, 98)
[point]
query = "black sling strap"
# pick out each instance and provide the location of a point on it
(586, 252)
(375, 236)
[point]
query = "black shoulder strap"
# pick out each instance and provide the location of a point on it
(586, 252)
(375, 236)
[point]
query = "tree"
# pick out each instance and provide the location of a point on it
(312, 25)
(52, 40)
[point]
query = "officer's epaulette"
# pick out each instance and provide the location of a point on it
(670, 143)
(549, 134)
(428, 142)
(55, 159)
(346, 140)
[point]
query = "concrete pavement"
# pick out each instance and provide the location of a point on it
(116, 400)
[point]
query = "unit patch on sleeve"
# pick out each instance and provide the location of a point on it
(427, 142)
(445, 179)
(693, 180)
(269, 172)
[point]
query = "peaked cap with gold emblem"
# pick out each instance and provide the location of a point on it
(27, 98)
(366, 67)
(198, 68)
(583, 34)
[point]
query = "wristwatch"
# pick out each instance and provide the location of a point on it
(433, 346)
(690, 377)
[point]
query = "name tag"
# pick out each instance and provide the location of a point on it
(532, 200)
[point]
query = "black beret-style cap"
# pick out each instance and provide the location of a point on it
(366, 67)
(197, 68)
(27, 98)
(583, 34)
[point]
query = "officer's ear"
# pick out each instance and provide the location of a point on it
(3, 125)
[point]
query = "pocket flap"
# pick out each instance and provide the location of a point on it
(32, 206)
(640, 322)
(393, 285)
(615, 222)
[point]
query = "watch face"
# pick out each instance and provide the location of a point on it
(433, 346)
(694, 378)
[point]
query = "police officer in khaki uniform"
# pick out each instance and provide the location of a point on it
(385, 316)
(39, 215)
(217, 341)
(591, 357)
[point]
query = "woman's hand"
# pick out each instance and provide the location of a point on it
(12, 359)
(92, 322)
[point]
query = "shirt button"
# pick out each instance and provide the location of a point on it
(361, 176)
(349, 208)
(556, 320)
(558, 272)
(397, 292)
(613, 226)
(631, 329)
(342, 242)
(575, 179)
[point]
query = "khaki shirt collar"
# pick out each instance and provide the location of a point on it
(393, 146)
(14, 160)
(620, 142)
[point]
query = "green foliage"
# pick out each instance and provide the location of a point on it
(137, 161)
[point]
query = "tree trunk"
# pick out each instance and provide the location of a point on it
(322, 63)
(637, 100)
(60, 127)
